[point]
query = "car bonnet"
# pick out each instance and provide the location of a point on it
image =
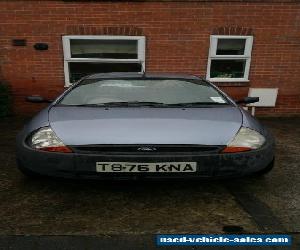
(142, 125)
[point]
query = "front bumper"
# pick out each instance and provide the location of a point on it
(84, 165)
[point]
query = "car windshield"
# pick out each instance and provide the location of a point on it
(140, 92)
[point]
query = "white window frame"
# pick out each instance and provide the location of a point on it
(212, 55)
(67, 52)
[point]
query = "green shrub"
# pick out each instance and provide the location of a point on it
(5, 100)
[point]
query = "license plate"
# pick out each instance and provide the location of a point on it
(158, 167)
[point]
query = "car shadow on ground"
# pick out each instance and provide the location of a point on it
(140, 185)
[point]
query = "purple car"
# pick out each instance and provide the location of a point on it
(130, 125)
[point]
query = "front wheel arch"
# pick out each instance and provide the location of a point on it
(266, 170)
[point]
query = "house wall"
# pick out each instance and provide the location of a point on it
(177, 40)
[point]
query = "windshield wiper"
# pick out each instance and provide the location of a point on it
(122, 104)
(78, 105)
(191, 104)
(133, 104)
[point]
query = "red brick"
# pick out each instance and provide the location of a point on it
(177, 36)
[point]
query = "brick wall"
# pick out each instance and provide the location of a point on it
(177, 36)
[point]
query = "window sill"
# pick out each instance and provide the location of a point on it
(232, 84)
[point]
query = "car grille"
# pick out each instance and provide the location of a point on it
(146, 149)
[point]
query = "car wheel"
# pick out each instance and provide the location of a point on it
(266, 170)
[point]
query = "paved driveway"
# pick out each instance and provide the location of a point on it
(61, 207)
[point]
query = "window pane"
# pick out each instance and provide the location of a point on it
(116, 49)
(231, 46)
(227, 68)
(80, 69)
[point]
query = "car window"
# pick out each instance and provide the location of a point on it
(166, 91)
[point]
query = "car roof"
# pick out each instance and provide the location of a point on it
(140, 75)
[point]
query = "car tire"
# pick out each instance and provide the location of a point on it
(266, 170)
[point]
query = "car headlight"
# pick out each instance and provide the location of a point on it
(45, 139)
(246, 139)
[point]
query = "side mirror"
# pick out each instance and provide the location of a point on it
(37, 99)
(248, 100)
